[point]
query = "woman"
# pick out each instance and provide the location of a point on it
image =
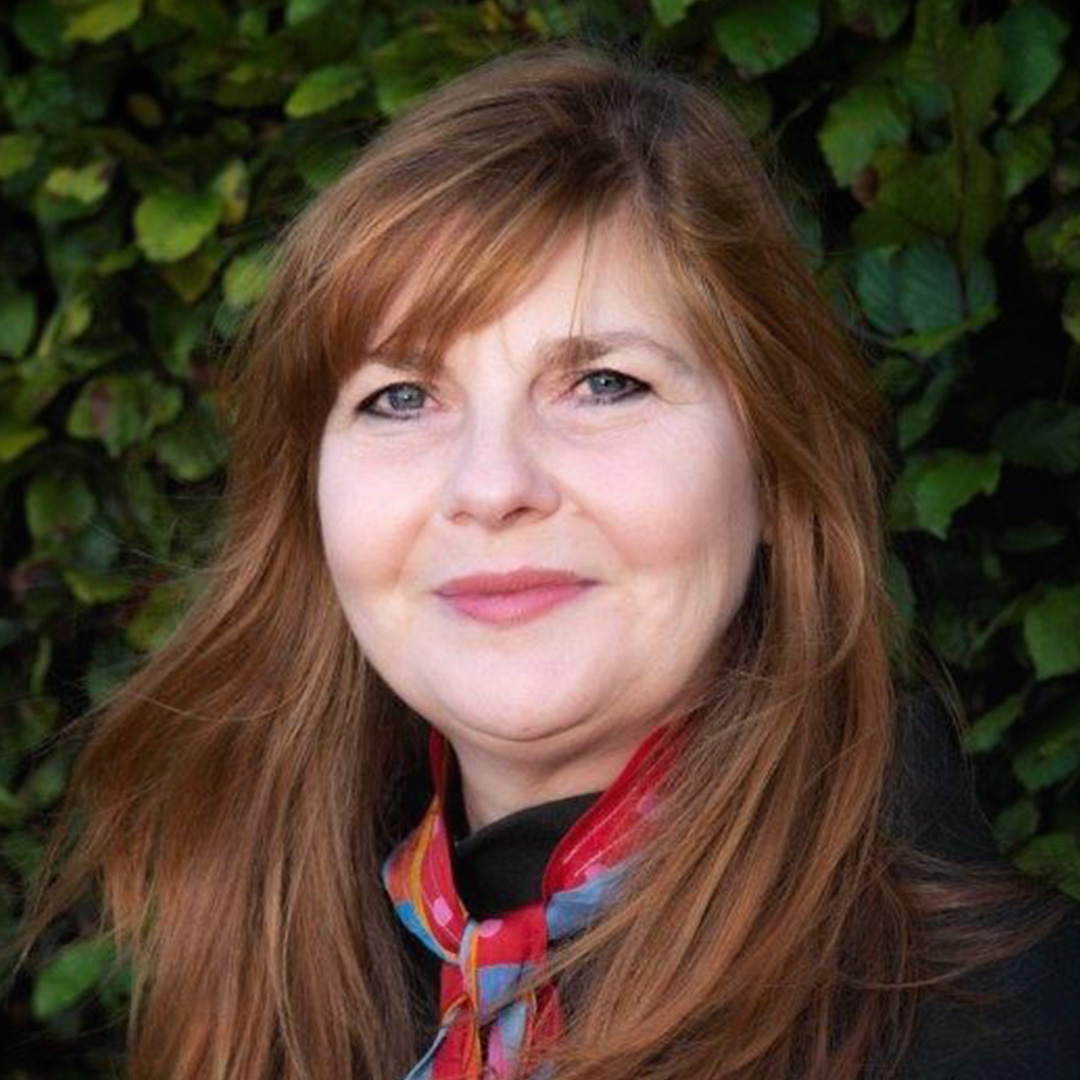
(649, 813)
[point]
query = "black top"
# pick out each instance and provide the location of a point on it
(1035, 1035)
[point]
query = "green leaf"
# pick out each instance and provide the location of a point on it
(954, 479)
(409, 65)
(1052, 751)
(122, 409)
(1070, 308)
(156, 619)
(85, 185)
(808, 230)
(22, 852)
(978, 83)
(170, 224)
(897, 375)
(929, 280)
(1031, 35)
(916, 198)
(38, 714)
(1056, 856)
(58, 501)
(40, 667)
(193, 448)
(1042, 434)
(1024, 154)
(45, 97)
(246, 277)
(1052, 632)
(1031, 536)
(12, 809)
(298, 11)
(18, 320)
(16, 438)
(70, 975)
(1065, 243)
(324, 88)
(981, 204)
(176, 330)
(937, 44)
(253, 23)
(17, 152)
(880, 18)
(877, 286)
(208, 18)
(192, 276)
(918, 417)
(1053, 243)
(898, 583)
(980, 289)
(154, 514)
(96, 587)
(71, 318)
(763, 35)
(232, 185)
(857, 124)
(104, 19)
(987, 731)
(111, 663)
(112, 262)
(321, 162)
(901, 514)
(39, 25)
(1016, 823)
(96, 548)
(1038, 768)
(669, 12)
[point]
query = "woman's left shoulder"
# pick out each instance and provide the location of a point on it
(1030, 1032)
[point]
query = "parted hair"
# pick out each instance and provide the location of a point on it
(236, 795)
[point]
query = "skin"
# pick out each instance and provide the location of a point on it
(503, 463)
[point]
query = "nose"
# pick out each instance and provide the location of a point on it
(498, 474)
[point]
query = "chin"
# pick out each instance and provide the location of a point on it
(524, 727)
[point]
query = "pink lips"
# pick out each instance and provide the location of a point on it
(512, 598)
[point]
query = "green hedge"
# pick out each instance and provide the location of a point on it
(150, 149)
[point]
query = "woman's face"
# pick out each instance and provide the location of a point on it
(632, 472)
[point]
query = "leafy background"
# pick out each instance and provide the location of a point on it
(151, 149)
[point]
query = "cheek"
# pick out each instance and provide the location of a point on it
(679, 500)
(356, 541)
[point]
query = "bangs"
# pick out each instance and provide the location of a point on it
(434, 277)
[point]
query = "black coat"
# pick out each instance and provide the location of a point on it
(1034, 1035)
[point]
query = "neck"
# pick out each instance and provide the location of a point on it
(493, 787)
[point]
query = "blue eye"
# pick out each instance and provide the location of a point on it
(633, 389)
(414, 393)
(368, 404)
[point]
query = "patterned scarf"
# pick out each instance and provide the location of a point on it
(485, 1025)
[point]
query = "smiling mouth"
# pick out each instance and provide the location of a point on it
(521, 605)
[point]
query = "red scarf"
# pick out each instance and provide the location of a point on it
(485, 1025)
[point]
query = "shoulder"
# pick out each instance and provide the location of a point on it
(1030, 1032)
(930, 796)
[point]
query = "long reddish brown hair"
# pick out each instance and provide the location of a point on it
(236, 796)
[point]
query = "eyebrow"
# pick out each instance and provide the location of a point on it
(565, 353)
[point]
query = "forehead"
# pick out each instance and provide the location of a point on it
(597, 293)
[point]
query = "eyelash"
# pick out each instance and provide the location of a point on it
(366, 406)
